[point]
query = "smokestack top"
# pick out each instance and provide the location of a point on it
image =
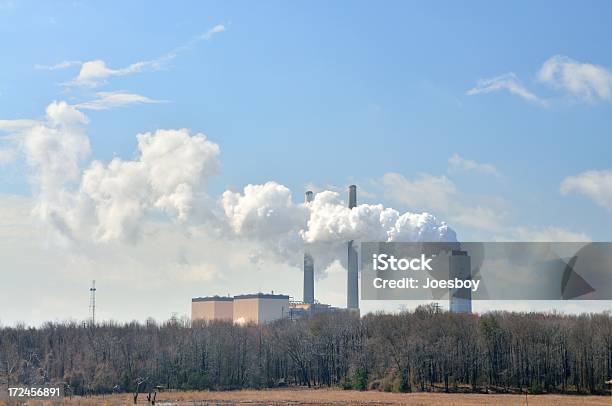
(352, 200)
(308, 196)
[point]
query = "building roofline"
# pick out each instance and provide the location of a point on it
(261, 296)
(213, 299)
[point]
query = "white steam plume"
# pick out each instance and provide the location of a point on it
(54, 148)
(106, 202)
(103, 202)
(171, 168)
(266, 213)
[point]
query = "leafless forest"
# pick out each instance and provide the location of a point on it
(415, 351)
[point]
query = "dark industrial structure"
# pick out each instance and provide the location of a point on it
(352, 283)
(308, 265)
(460, 300)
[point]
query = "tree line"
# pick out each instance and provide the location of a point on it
(421, 350)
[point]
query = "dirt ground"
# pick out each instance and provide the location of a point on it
(338, 397)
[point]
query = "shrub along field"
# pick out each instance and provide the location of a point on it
(420, 351)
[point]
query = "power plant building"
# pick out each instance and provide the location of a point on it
(252, 308)
(260, 308)
(212, 308)
(300, 309)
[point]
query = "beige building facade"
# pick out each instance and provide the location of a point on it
(255, 308)
(260, 308)
(212, 308)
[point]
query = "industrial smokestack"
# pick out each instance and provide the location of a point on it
(460, 266)
(308, 196)
(308, 265)
(352, 197)
(352, 284)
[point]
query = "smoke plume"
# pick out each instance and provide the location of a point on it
(266, 213)
(102, 202)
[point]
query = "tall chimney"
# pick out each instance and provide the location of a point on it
(352, 284)
(308, 264)
(460, 300)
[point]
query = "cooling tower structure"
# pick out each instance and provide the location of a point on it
(352, 283)
(308, 265)
(460, 266)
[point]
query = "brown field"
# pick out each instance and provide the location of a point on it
(338, 397)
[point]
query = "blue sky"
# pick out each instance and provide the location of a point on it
(330, 93)
(347, 91)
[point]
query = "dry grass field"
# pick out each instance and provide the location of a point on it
(338, 397)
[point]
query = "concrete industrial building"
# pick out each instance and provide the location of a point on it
(255, 308)
(260, 308)
(212, 308)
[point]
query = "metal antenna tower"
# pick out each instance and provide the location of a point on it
(92, 302)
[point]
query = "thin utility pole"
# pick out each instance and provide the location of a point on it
(92, 302)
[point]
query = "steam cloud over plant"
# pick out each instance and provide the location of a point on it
(103, 202)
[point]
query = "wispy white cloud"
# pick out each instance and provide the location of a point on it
(214, 30)
(485, 218)
(11, 141)
(59, 114)
(585, 81)
(60, 65)
(16, 125)
(95, 72)
(428, 192)
(479, 217)
(508, 82)
(439, 195)
(457, 162)
(52, 144)
(596, 185)
(108, 100)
